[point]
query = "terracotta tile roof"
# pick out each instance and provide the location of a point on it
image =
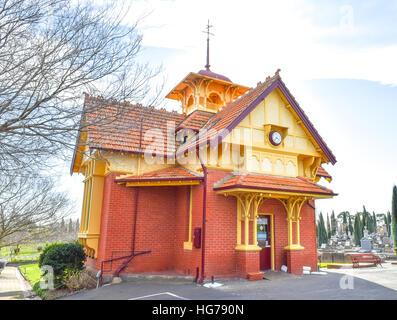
(272, 183)
(166, 174)
(196, 120)
(121, 129)
(228, 118)
(321, 172)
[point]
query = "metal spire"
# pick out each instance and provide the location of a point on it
(207, 66)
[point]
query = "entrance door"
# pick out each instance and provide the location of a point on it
(264, 238)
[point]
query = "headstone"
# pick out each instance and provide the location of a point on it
(365, 233)
(366, 244)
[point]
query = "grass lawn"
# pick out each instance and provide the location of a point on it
(33, 275)
(26, 253)
(31, 272)
(325, 264)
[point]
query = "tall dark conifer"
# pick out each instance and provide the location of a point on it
(350, 227)
(394, 215)
(334, 223)
(388, 223)
(328, 228)
(357, 229)
(322, 232)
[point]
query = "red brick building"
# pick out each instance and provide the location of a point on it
(225, 188)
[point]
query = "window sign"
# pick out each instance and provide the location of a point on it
(263, 232)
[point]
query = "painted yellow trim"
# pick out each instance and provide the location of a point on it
(188, 245)
(92, 206)
(294, 247)
(272, 237)
(250, 247)
(274, 194)
(88, 235)
(161, 183)
(238, 223)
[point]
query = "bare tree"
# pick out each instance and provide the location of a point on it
(29, 209)
(51, 51)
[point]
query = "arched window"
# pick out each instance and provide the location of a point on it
(190, 101)
(214, 98)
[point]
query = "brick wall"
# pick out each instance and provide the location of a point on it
(307, 233)
(221, 230)
(162, 227)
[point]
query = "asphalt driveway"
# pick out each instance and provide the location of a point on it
(276, 286)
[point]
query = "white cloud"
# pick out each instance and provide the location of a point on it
(254, 38)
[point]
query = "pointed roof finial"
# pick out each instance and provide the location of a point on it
(207, 66)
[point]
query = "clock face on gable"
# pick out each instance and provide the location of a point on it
(275, 138)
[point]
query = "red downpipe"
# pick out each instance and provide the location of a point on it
(204, 218)
(133, 253)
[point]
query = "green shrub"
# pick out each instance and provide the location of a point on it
(46, 249)
(63, 258)
(42, 293)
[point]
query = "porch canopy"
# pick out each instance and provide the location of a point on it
(251, 190)
(170, 176)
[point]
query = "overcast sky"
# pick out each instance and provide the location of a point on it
(338, 58)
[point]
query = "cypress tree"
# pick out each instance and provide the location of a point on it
(357, 229)
(351, 230)
(322, 237)
(364, 220)
(328, 228)
(333, 224)
(370, 224)
(388, 223)
(375, 225)
(394, 215)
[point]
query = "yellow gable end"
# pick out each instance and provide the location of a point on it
(295, 156)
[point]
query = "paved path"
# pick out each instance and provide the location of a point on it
(12, 285)
(278, 286)
(385, 276)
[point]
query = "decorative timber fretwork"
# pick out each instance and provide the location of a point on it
(293, 207)
(247, 211)
(248, 204)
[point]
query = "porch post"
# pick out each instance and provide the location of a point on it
(246, 227)
(294, 251)
(238, 223)
(247, 254)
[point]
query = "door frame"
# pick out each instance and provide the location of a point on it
(271, 237)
